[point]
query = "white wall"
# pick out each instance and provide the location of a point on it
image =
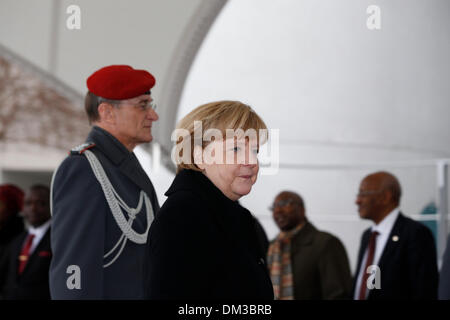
(338, 92)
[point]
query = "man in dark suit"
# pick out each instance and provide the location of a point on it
(397, 256)
(305, 263)
(103, 201)
(28, 257)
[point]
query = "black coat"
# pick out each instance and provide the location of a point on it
(33, 282)
(84, 229)
(205, 246)
(408, 266)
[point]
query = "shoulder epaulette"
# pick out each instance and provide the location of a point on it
(82, 148)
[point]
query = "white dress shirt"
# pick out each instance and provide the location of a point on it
(38, 233)
(384, 229)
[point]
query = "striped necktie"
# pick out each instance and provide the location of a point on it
(25, 253)
(369, 261)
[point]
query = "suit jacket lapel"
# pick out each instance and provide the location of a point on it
(362, 250)
(126, 161)
(304, 237)
(391, 245)
(131, 168)
(17, 250)
(44, 244)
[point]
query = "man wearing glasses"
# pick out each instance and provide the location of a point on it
(103, 203)
(305, 263)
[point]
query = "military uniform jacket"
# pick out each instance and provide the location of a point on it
(84, 229)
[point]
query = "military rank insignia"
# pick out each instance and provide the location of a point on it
(82, 148)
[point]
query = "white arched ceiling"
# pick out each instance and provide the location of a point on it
(314, 69)
(347, 100)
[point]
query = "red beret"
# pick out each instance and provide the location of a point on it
(120, 82)
(12, 196)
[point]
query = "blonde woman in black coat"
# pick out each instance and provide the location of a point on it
(204, 244)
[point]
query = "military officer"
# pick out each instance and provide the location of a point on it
(103, 203)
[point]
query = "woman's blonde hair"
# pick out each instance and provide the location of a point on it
(220, 115)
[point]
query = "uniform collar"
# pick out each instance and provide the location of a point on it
(123, 159)
(109, 145)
